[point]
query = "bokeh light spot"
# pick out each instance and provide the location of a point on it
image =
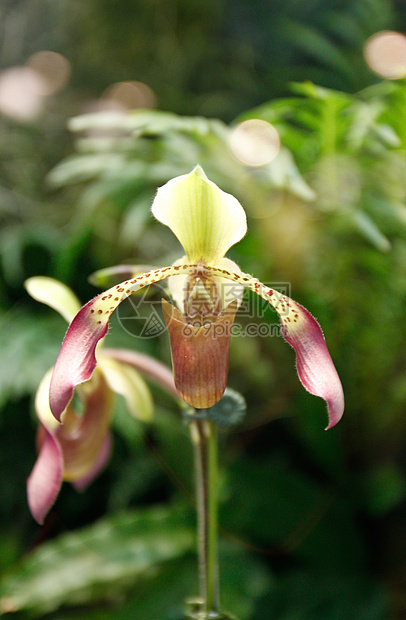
(20, 97)
(254, 142)
(385, 54)
(53, 68)
(130, 95)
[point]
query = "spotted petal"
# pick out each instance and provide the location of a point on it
(206, 220)
(76, 360)
(300, 329)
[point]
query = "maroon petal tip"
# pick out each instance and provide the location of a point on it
(76, 360)
(315, 367)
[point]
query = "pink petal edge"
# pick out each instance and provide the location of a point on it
(314, 365)
(45, 480)
(76, 360)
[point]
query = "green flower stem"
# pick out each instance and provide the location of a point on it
(204, 437)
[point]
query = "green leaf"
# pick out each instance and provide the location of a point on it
(28, 347)
(99, 562)
(79, 168)
(370, 230)
(283, 173)
(144, 122)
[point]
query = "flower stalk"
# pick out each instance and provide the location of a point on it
(205, 441)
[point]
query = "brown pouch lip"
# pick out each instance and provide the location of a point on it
(200, 355)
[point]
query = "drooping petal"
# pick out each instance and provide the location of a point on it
(81, 435)
(74, 450)
(145, 364)
(54, 294)
(200, 356)
(42, 404)
(125, 380)
(76, 360)
(45, 480)
(206, 220)
(314, 365)
(300, 329)
(104, 455)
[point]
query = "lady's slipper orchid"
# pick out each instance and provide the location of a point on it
(77, 449)
(207, 222)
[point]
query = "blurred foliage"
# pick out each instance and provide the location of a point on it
(313, 523)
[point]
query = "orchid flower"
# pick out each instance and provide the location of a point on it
(77, 449)
(207, 222)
